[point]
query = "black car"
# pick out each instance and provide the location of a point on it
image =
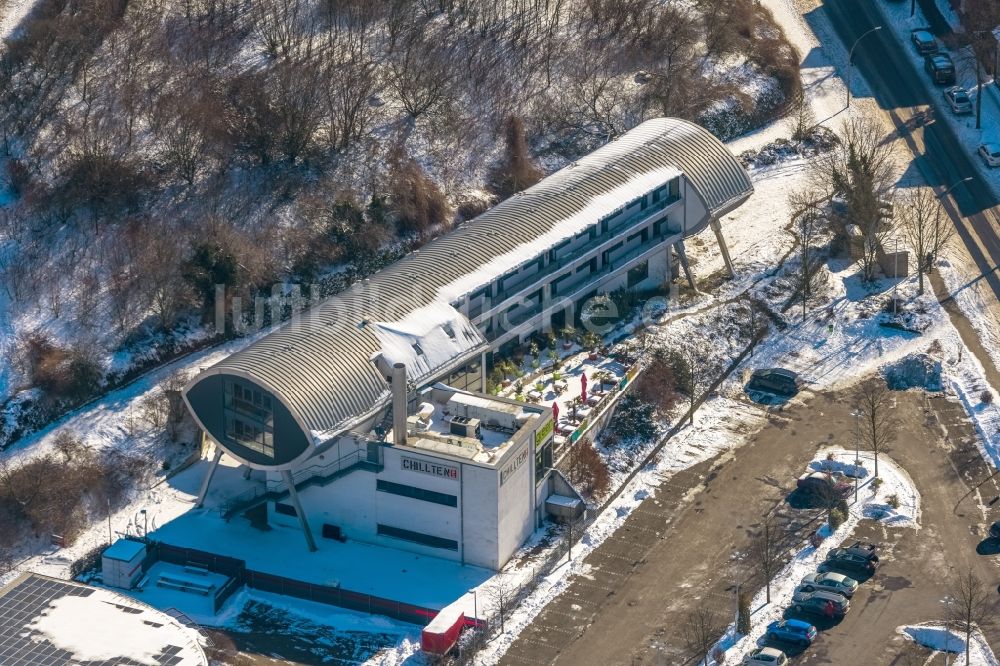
(774, 380)
(855, 558)
(924, 42)
(941, 68)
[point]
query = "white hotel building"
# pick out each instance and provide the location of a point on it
(365, 413)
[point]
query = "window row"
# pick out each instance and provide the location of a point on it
(416, 493)
(417, 537)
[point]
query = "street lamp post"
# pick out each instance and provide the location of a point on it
(850, 61)
(857, 451)
(475, 605)
(895, 276)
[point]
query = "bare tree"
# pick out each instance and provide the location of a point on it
(691, 379)
(971, 605)
(701, 630)
(421, 72)
(802, 115)
(926, 230)
(862, 170)
(807, 224)
(765, 552)
(501, 595)
(874, 403)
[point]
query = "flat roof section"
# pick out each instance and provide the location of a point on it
(50, 622)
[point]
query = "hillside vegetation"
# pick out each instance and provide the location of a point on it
(156, 148)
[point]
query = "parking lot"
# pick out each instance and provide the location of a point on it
(676, 552)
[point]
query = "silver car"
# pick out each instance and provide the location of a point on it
(829, 582)
(958, 100)
(990, 152)
(767, 656)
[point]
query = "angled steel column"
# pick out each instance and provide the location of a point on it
(717, 228)
(293, 494)
(679, 247)
(208, 477)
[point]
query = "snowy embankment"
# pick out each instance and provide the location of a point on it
(939, 638)
(874, 503)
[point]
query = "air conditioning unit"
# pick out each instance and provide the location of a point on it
(464, 426)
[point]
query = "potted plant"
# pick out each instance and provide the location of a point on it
(568, 333)
(518, 388)
(592, 342)
(539, 386)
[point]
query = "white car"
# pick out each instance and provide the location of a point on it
(766, 657)
(990, 152)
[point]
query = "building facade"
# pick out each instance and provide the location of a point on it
(311, 404)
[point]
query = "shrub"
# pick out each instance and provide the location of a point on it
(657, 385)
(633, 420)
(837, 518)
(414, 198)
(70, 374)
(986, 397)
(893, 501)
(876, 484)
(517, 171)
(587, 470)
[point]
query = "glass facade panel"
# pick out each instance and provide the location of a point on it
(249, 417)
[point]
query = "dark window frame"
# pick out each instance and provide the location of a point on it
(416, 537)
(413, 492)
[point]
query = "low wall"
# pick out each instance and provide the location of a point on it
(240, 575)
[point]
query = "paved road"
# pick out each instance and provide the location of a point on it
(677, 551)
(906, 93)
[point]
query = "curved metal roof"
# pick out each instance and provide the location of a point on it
(320, 364)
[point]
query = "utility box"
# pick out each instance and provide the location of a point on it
(121, 563)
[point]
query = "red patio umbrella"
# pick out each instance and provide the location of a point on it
(583, 387)
(555, 412)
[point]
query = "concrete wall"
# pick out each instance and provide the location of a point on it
(516, 492)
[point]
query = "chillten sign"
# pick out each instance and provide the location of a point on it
(428, 467)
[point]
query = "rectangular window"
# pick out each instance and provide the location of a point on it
(638, 274)
(417, 537)
(645, 204)
(416, 493)
(249, 434)
(284, 509)
(675, 188)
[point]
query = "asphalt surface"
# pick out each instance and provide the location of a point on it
(679, 550)
(909, 97)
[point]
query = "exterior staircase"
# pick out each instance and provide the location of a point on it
(307, 477)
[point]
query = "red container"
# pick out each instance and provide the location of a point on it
(440, 636)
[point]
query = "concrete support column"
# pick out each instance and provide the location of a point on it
(294, 496)
(482, 372)
(679, 247)
(717, 228)
(208, 477)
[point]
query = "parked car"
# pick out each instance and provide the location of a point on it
(958, 100)
(827, 604)
(767, 656)
(995, 530)
(774, 380)
(823, 482)
(829, 582)
(941, 68)
(990, 152)
(924, 42)
(853, 558)
(797, 632)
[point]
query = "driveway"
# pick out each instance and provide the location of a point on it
(677, 551)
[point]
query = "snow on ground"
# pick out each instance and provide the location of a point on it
(940, 638)
(12, 12)
(872, 504)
